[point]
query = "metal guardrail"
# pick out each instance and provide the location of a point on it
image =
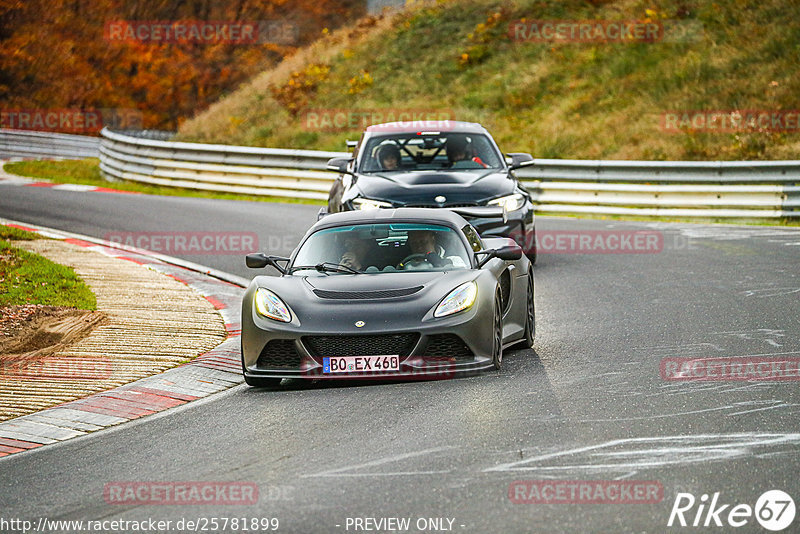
(224, 168)
(762, 189)
(717, 189)
(36, 145)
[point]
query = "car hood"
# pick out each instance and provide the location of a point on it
(421, 187)
(338, 296)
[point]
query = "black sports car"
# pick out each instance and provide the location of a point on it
(387, 293)
(437, 164)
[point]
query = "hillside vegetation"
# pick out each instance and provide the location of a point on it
(66, 55)
(554, 99)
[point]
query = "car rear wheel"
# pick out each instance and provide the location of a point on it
(497, 333)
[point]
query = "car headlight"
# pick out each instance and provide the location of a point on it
(270, 305)
(369, 204)
(457, 300)
(510, 202)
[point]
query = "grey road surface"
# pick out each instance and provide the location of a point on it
(590, 403)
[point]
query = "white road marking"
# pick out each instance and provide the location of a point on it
(649, 452)
(340, 472)
(75, 187)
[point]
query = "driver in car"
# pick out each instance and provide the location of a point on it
(422, 244)
(462, 155)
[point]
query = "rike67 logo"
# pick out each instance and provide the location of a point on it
(774, 510)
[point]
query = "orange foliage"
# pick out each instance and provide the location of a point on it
(55, 54)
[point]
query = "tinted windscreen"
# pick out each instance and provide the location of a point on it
(382, 248)
(428, 151)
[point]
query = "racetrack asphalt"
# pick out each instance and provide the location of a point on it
(588, 403)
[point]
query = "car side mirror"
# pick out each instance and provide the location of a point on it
(520, 159)
(509, 253)
(506, 253)
(259, 260)
(256, 260)
(339, 165)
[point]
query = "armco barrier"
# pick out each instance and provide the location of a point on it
(230, 169)
(37, 145)
(763, 189)
(716, 189)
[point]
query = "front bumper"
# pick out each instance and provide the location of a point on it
(439, 349)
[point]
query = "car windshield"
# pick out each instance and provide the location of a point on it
(429, 151)
(381, 248)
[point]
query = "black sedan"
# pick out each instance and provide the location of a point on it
(405, 293)
(437, 164)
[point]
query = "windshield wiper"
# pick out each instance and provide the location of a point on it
(327, 267)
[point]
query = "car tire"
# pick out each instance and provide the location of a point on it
(335, 196)
(530, 314)
(497, 333)
(529, 334)
(531, 252)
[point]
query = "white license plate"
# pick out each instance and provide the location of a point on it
(360, 364)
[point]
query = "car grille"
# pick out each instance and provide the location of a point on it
(279, 353)
(366, 345)
(447, 346)
(366, 295)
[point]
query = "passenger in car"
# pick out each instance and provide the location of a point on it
(355, 253)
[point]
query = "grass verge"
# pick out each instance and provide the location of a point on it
(87, 172)
(10, 233)
(27, 278)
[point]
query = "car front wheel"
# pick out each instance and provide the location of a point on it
(497, 333)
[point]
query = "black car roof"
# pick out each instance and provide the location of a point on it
(434, 126)
(382, 215)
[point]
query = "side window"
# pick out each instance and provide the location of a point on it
(473, 238)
